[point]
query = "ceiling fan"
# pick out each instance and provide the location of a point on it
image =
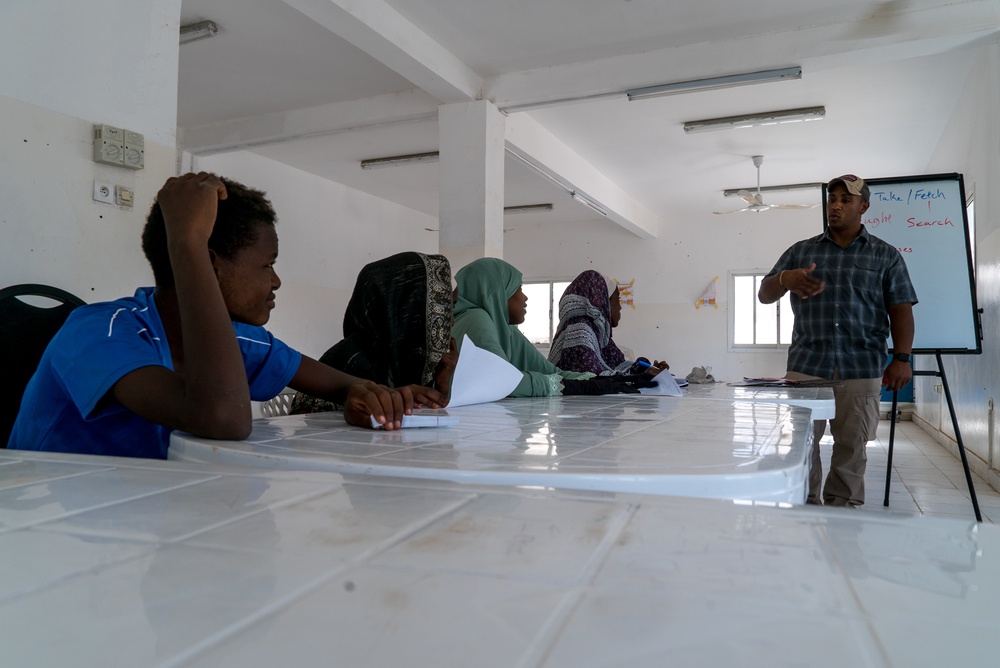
(755, 202)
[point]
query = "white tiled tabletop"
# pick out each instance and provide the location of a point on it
(818, 399)
(693, 447)
(116, 562)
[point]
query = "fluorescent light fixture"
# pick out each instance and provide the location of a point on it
(541, 171)
(583, 199)
(771, 189)
(715, 83)
(755, 120)
(527, 208)
(397, 160)
(200, 30)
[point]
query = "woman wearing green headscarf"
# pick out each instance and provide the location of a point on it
(490, 305)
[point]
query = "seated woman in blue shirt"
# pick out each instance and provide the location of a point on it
(192, 352)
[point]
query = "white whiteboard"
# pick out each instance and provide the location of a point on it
(924, 217)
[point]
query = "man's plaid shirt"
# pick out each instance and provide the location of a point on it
(845, 326)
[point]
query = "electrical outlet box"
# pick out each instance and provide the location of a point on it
(109, 145)
(134, 156)
(104, 192)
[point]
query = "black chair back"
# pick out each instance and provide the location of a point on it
(25, 331)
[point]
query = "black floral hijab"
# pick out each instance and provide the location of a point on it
(397, 325)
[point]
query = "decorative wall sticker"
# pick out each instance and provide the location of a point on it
(708, 296)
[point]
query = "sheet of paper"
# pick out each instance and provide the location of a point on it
(785, 382)
(481, 376)
(424, 417)
(666, 385)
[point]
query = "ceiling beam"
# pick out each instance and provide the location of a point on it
(324, 119)
(545, 153)
(386, 35)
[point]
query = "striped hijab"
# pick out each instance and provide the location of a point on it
(583, 339)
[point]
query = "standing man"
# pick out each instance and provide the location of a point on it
(849, 291)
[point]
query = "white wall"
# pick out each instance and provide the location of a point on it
(671, 272)
(971, 146)
(52, 230)
(327, 232)
(123, 72)
(113, 61)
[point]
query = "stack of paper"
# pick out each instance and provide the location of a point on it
(766, 382)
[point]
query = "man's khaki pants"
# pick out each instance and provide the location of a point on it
(857, 402)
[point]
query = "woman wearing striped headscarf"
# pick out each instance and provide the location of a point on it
(588, 310)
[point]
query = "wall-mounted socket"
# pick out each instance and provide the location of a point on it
(104, 192)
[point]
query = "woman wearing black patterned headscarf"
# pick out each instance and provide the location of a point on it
(397, 328)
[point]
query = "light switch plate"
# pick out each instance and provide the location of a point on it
(124, 196)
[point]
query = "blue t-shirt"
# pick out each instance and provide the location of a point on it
(98, 345)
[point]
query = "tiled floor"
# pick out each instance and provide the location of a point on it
(926, 478)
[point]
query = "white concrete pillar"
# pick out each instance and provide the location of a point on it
(471, 143)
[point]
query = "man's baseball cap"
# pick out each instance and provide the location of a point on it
(854, 184)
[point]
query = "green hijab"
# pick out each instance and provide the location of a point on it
(487, 284)
(481, 311)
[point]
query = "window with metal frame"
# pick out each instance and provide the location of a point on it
(755, 325)
(542, 319)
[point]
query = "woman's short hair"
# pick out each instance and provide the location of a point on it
(235, 228)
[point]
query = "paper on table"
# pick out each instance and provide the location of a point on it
(785, 382)
(481, 376)
(424, 417)
(666, 385)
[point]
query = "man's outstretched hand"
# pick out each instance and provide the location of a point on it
(802, 282)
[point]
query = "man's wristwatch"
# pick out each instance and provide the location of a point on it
(901, 357)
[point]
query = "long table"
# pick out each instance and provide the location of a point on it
(119, 562)
(817, 399)
(680, 446)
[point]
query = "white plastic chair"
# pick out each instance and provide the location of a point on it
(279, 405)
